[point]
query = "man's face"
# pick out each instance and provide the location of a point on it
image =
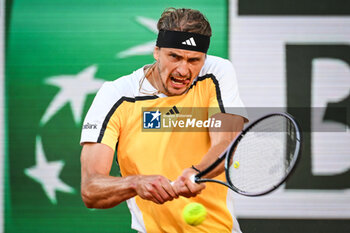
(176, 68)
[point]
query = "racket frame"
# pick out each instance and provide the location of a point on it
(224, 155)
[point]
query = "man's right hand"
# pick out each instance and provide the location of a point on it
(100, 190)
(155, 188)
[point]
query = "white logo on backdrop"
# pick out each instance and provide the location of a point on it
(145, 48)
(74, 90)
(47, 173)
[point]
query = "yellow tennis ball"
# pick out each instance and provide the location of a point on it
(194, 213)
(236, 164)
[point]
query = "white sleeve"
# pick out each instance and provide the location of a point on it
(225, 74)
(103, 103)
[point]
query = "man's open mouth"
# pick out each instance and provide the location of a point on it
(180, 80)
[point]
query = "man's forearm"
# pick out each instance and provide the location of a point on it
(100, 191)
(210, 157)
(221, 138)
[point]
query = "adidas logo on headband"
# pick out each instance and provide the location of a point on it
(190, 42)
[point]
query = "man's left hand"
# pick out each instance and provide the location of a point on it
(185, 187)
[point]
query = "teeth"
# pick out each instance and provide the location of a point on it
(174, 81)
(178, 78)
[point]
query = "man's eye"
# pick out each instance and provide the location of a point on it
(173, 55)
(193, 60)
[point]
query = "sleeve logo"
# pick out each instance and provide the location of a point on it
(90, 126)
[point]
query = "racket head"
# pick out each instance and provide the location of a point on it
(263, 155)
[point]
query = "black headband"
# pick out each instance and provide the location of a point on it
(183, 40)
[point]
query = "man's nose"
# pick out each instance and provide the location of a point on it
(182, 69)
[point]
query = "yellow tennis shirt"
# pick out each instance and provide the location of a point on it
(137, 125)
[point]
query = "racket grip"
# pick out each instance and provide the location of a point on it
(193, 178)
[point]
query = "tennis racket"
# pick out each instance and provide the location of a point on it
(261, 157)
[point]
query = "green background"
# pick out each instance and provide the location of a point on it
(59, 37)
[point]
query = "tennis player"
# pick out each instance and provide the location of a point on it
(183, 75)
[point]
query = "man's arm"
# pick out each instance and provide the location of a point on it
(231, 126)
(100, 190)
(220, 139)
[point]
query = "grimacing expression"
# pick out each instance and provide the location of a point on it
(177, 69)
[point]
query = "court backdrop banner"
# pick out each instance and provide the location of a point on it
(58, 54)
(296, 54)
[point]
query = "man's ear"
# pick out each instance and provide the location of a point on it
(156, 53)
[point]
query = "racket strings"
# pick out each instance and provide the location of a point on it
(263, 156)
